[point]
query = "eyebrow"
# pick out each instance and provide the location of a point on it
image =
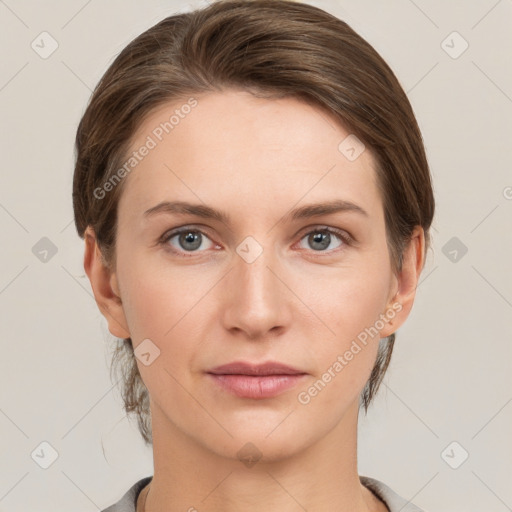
(207, 212)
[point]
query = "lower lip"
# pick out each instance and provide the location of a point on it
(258, 387)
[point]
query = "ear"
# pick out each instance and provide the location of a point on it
(407, 281)
(105, 286)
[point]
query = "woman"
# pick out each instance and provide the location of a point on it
(255, 200)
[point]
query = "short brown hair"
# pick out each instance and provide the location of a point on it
(273, 49)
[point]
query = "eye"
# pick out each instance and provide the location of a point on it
(192, 240)
(321, 238)
(187, 240)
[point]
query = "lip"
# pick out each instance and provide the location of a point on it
(261, 381)
(243, 368)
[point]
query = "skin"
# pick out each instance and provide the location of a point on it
(255, 159)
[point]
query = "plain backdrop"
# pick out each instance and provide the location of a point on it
(439, 430)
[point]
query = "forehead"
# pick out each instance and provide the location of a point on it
(231, 145)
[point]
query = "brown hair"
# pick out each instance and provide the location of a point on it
(273, 49)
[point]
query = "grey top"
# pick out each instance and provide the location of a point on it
(394, 502)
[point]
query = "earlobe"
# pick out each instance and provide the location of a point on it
(105, 287)
(392, 317)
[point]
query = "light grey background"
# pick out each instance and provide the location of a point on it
(450, 376)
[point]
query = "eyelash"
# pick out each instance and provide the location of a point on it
(344, 236)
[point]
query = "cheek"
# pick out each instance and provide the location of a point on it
(154, 296)
(347, 304)
(346, 300)
(159, 306)
(164, 304)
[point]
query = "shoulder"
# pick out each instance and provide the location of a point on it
(129, 500)
(393, 501)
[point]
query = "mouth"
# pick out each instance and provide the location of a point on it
(264, 369)
(261, 381)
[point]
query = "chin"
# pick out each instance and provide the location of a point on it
(252, 446)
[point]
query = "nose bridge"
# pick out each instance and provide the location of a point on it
(253, 270)
(255, 300)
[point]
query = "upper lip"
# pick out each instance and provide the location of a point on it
(243, 368)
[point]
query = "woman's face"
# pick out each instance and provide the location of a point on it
(262, 284)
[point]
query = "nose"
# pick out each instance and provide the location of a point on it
(255, 300)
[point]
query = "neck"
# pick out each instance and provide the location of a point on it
(321, 476)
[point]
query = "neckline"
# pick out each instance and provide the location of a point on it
(377, 488)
